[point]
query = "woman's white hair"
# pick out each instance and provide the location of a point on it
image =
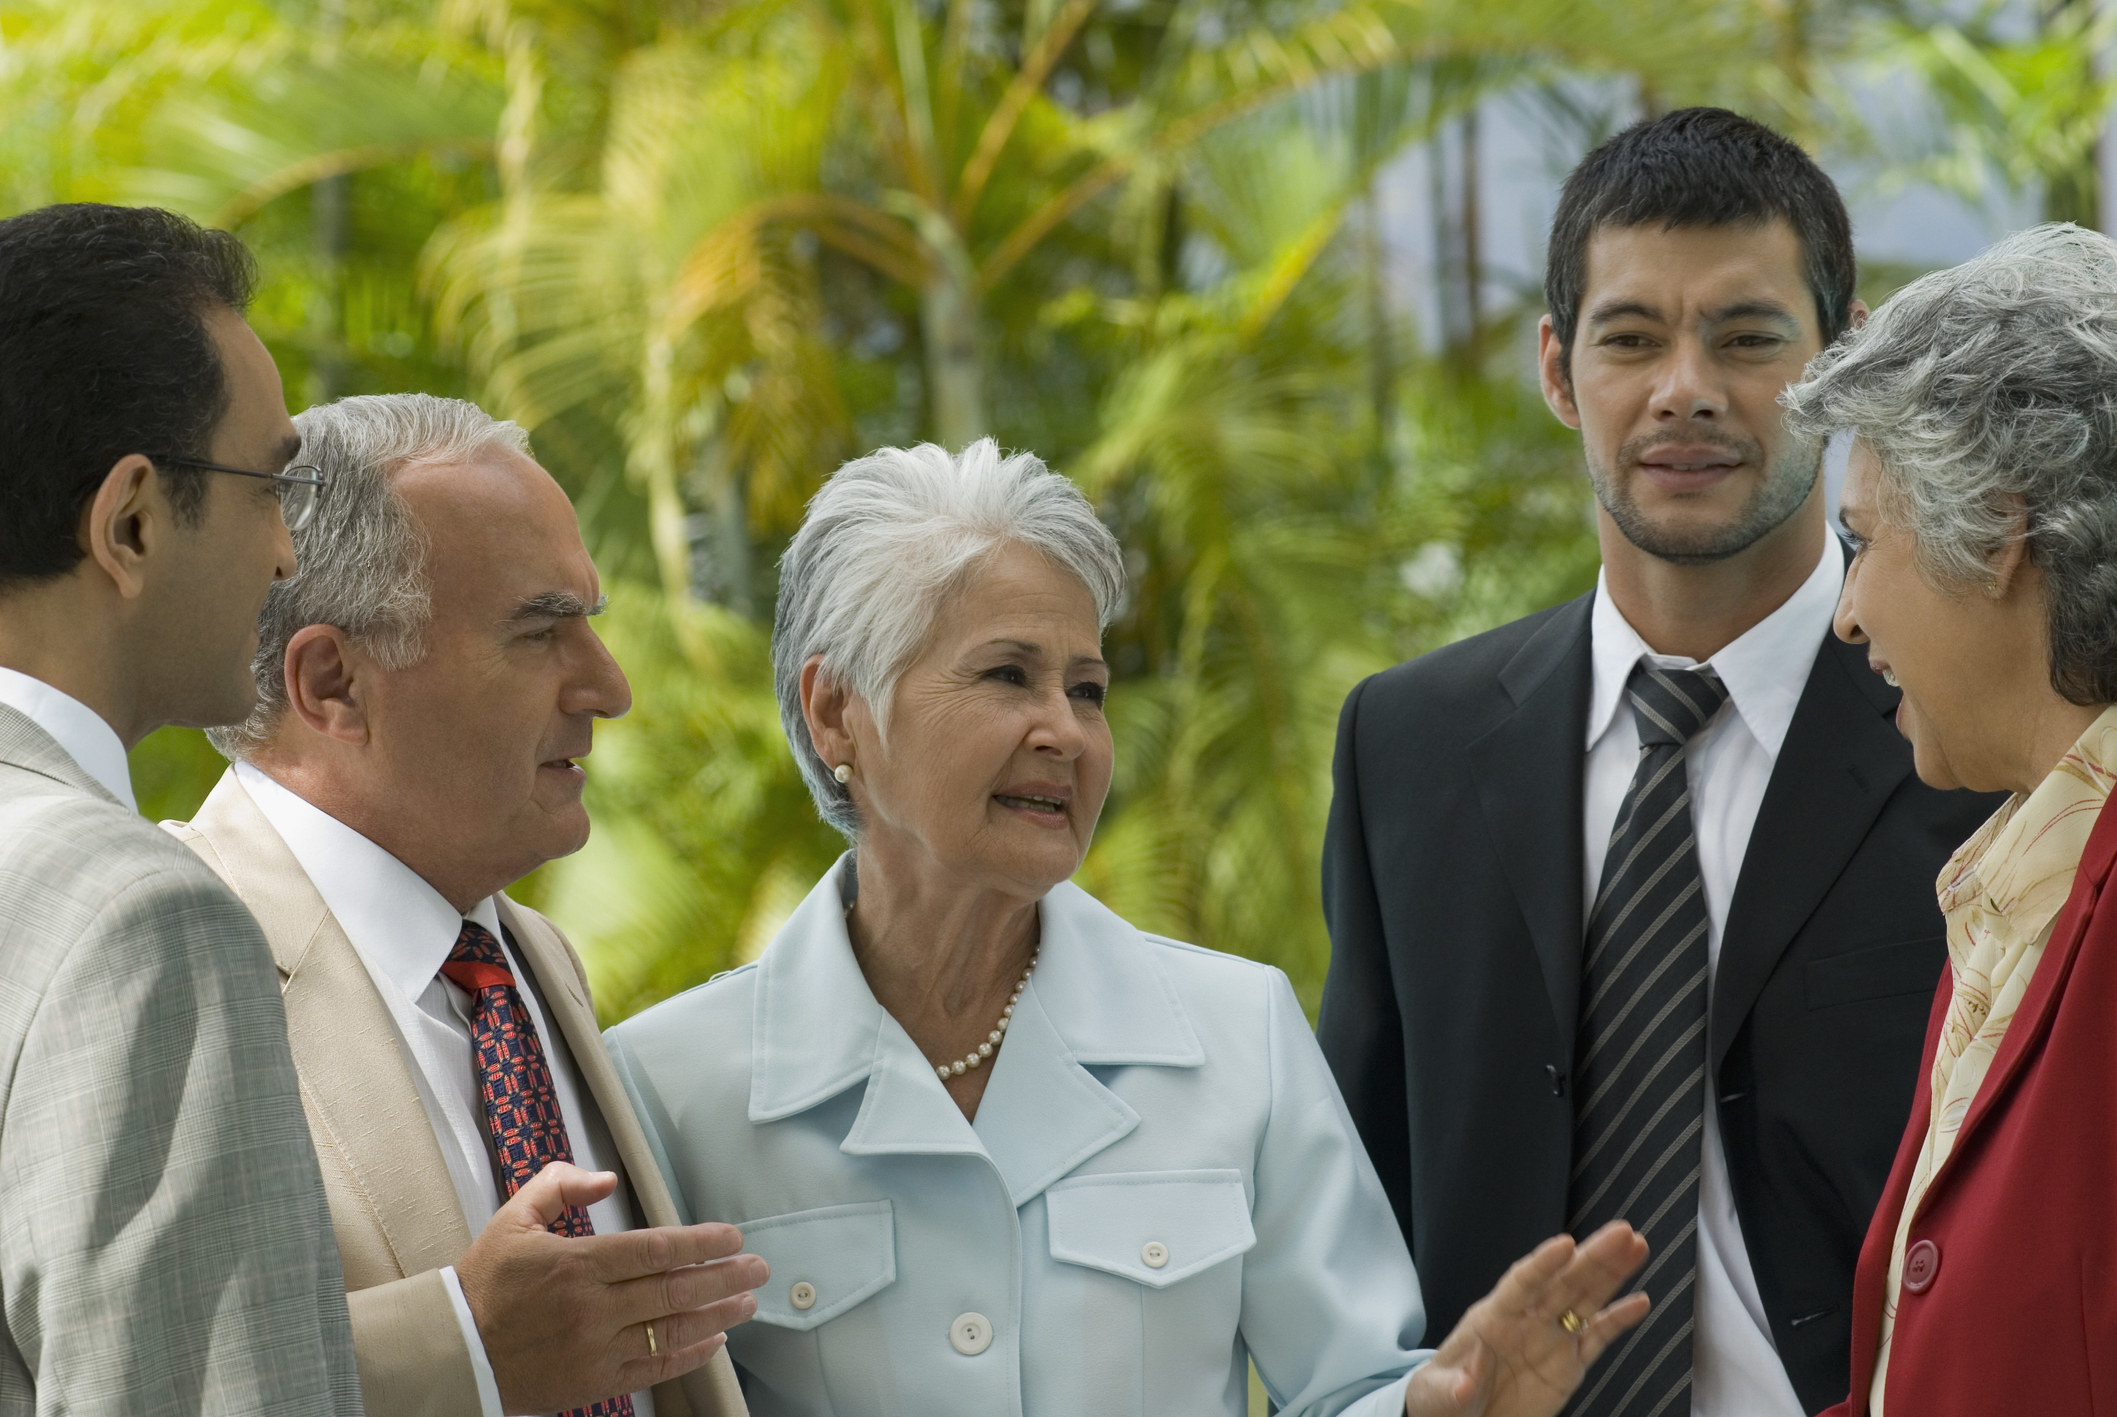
(886, 541)
(1986, 388)
(360, 562)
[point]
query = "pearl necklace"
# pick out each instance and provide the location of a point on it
(992, 1040)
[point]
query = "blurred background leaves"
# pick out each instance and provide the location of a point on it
(706, 249)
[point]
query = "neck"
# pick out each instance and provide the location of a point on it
(2046, 732)
(323, 786)
(934, 950)
(1696, 611)
(50, 631)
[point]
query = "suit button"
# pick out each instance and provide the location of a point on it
(970, 1334)
(1921, 1263)
(802, 1295)
(1154, 1254)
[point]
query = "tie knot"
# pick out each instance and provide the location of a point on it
(1671, 705)
(477, 962)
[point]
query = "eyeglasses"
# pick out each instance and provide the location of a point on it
(300, 487)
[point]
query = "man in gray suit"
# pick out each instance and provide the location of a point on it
(165, 1246)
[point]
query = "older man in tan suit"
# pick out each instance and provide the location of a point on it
(427, 690)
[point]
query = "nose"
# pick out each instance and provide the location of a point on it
(1690, 386)
(1057, 732)
(599, 686)
(1845, 620)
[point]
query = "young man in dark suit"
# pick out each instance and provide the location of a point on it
(1631, 901)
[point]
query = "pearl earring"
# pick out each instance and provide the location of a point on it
(843, 772)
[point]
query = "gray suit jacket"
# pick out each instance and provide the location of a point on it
(165, 1246)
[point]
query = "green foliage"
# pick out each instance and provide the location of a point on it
(705, 249)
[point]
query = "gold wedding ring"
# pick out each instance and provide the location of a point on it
(653, 1352)
(1571, 1322)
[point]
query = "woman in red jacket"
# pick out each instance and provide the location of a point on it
(1982, 502)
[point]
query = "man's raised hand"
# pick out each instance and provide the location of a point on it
(564, 1320)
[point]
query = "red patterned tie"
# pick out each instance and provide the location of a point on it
(521, 1106)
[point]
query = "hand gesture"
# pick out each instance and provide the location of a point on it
(566, 1320)
(1516, 1353)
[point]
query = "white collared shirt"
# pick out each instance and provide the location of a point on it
(78, 730)
(403, 931)
(1735, 1368)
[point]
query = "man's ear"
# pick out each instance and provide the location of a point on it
(824, 701)
(1551, 374)
(1858, 314)
(126, 523)
(325, 683)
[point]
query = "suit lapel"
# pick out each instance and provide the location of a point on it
(546, 953)
(1841, 761)
(1529, 771)
(354, 1076)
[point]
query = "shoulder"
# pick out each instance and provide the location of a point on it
(1229, 999)
(73, 846)
(708, 1024)
(93, 898)
(1197, 967)
(1441, 684)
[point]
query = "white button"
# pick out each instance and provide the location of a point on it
(1155, 1253)
(970, 1334)
(802, 1295)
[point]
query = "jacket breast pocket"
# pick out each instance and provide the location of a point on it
(1876, 972)
(1156, 1228)
(823, 1261)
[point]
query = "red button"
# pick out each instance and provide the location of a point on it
(1921, 1263)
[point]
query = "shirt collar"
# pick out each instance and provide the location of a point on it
(78, 730)
(402, 927)
(818, 1029)
(1765, 670)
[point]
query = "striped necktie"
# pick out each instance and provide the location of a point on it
(1639, 1081)
(522, 1113)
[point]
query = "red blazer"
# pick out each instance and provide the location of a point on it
(2019, 1312)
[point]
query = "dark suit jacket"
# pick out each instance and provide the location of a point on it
(1452, 882)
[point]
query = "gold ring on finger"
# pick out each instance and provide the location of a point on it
(1571, 1322)
(654, 1352)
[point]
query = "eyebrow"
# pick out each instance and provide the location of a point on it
(288, 449)
(1770, 310)
(1622, 309)
(1031, 648)
(558, 605)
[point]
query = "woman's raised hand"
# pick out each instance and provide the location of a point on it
(1513, 1354)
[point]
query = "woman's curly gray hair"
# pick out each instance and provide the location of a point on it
(1993, 381)
(889, 538)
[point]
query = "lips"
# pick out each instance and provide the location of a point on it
(1031, 802)
(1690, 458)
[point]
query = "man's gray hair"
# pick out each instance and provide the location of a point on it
(889, 538)
(1996, 380)
(361, 560)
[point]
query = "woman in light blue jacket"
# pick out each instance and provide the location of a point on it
(1005, 1153)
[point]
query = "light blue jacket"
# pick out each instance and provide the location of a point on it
(1161, 1179)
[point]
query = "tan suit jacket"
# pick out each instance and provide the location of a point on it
(393, 1207)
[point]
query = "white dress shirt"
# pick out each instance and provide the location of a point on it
(78, 729)
(1735, 1365)
(403, 931)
